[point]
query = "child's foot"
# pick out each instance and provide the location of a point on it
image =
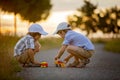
(86, 61)
(74, 64)
(81, 65)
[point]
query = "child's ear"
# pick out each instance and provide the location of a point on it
(68, 25)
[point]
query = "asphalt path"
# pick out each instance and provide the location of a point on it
(103, 66)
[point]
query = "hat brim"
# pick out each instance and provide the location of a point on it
(61, 29)
(43, 33)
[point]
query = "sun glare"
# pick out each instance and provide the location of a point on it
(59, 16)
(49, 25)
(7, 16)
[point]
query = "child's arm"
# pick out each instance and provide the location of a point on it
(37, 46)
(61, 51)
(31, 54)
(67, 58)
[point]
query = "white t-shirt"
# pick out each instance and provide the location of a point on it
(77, 39)
(24, 43)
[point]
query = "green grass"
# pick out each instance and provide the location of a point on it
(8, 65)
(113, 45)
(100, 40)
(49, 43)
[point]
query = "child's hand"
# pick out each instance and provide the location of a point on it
(56, 58)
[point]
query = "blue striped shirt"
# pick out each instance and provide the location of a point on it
(77, 39)
(24, 43)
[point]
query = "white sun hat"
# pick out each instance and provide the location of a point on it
(62, 26)
(37, 28)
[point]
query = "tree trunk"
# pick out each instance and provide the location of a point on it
(15, 26)
(0, 22)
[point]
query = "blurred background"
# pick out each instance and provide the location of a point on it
(97, 19)
(93, 18)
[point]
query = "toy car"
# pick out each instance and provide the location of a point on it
(44, 64)
(59, 63)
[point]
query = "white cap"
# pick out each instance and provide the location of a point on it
(37, 28)
(62, 26)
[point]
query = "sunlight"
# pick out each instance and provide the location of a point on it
(49, 25)
(59, 16)
(6, 16)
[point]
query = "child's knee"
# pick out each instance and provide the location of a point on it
(69, 49)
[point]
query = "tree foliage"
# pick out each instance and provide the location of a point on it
(107, 21)
(35, 10)
(30, 10)
(85, 20)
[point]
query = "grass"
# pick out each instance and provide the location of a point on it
(50, 42)
(8, 65)
(100, 40)
(113, 45)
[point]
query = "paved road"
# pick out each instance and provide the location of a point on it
(104, 66)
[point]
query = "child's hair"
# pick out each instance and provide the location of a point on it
(66, 30)
(63, 30)
(33, 34)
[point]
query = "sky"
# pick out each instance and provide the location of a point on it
(62, 8)
(59, 12)
(61, 5)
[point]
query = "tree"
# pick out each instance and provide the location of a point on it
(85, 20)
(102, 19)
(35, 10)
(115, 17)
(31, 10)
(108, 22)
(11, 6)
(89, 21)
(0, 21)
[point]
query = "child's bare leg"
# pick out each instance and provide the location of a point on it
(68, 58)
(75, 62)
(77, 57)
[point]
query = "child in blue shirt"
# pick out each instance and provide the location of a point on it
(76, 44)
